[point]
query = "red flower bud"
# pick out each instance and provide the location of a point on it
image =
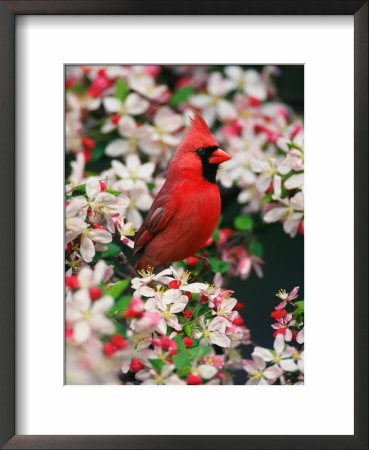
(94, 91)
(72, 282)
(203, 298)
(115, 119)
(168, 344)
(194, 379)
(68, 333)
(136, 365)
(109, 349)
(253, 101)
(192, 261)
(188, 295)
(278, 314)
(102, 186)
(132, 314)
(95, 293)
(188, 313)
(188, 342)
(87, 153)
(238, 321)
(135, 309)
(119, 342)
(239, 306)
(174, 284)
(88, 143)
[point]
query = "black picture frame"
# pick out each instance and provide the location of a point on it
(8, 12)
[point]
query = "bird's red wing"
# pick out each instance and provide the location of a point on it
(155, 221)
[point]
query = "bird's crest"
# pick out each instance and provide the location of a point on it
(198, 135)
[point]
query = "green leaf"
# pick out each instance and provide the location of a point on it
(98, 152)
(216, 236)
(299, 309)
(244, 223)
(79, 190)
(219, 265)
(183, 372)
(116, 289)
(151, 185)
(120, 305)
(120, 328)
(202, 309)
(121, 89)
(113, 249)
(187, 330)
(180, 96)
(181, 361)
(256, 248)
(267, 198)
(180, 343)
(198, 352)
(157, 364)
(112, 191)
(77, 88)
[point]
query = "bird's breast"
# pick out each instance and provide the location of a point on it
(197, 215)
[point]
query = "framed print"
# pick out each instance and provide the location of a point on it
(162, 232)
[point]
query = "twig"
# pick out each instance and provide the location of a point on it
(234, 241)
(205, 268)
(121, 257)
(121, 274)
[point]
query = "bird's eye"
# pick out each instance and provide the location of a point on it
(201, 151)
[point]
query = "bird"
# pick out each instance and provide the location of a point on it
(186, 210)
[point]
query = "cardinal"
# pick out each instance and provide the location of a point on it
(186, 211)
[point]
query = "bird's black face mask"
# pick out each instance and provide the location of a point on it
(209, 171)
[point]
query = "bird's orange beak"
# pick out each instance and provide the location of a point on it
(219, 157)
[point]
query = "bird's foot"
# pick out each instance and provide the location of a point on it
(122, 258)
(205, 268)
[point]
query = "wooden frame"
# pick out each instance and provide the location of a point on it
(8, 12)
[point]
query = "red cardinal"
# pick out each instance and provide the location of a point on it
(186, 211)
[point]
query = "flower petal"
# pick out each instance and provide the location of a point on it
(100, 235)
(92, 187)
(135, 104)
(218, 338)
(103, 305)
(87, 249)
(274, 214)
(81, 331)
(117, 147)
(279, 344)
(272, 373)
(207, 371)
(288, 365)
(112, 104)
